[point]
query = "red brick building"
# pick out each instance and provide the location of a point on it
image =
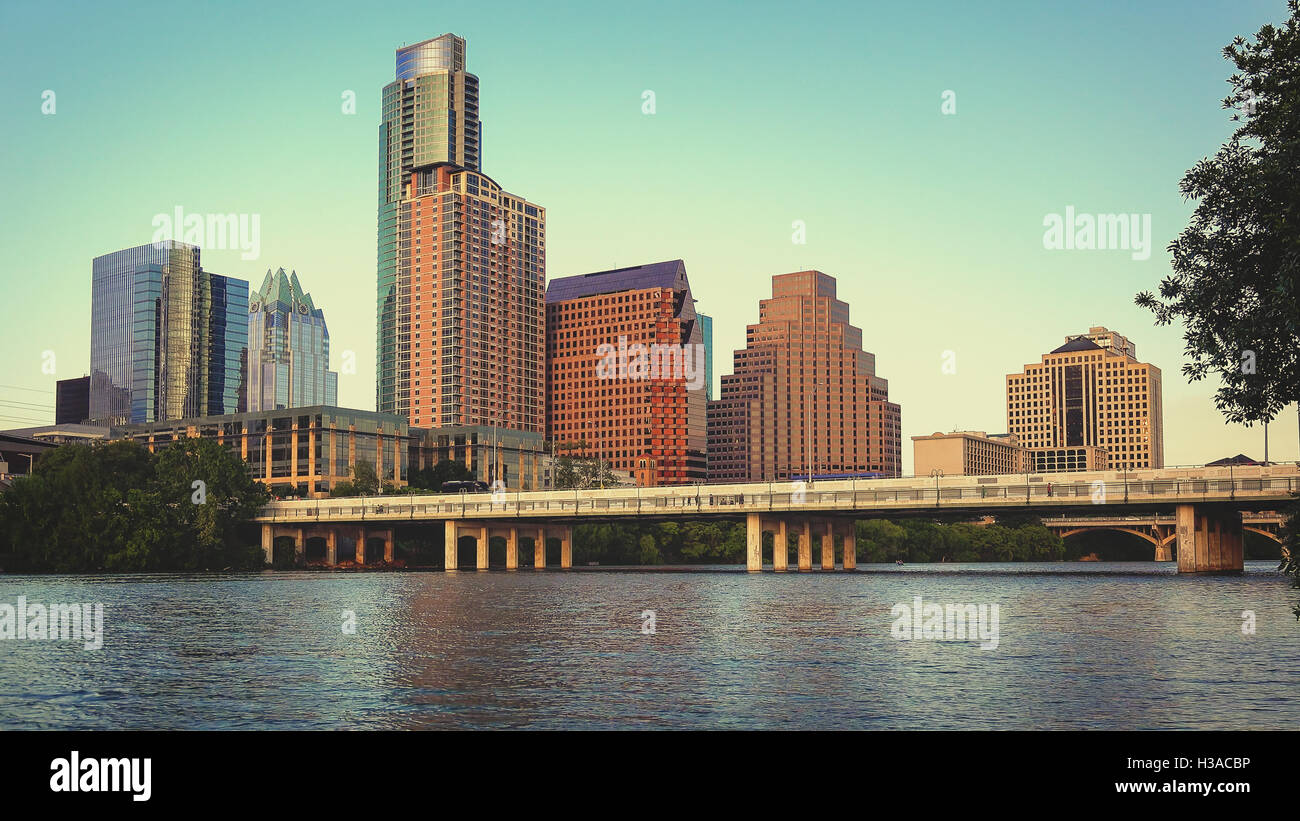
(625, 371)
(803, 394)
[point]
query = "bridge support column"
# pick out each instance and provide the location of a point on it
(483, 548)
(1209, 539)
(805, 544)
(539, 549)
(1164, 553)
(268, 543)
(781, 546)
(850, 546)
(566, 547)
(512, 549)
(299, 546)
(332, 547)
(450, 541)
(388, 545)
(828, 546)
(361, 546)
(753, 542)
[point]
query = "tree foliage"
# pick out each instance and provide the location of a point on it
(116, 507)
(1236, 265)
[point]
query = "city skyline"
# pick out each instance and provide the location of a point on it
(960, 269)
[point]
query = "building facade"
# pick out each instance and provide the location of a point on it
(288, 348)
(462, 263)
(519, 460)
(968, 453)
(626, 371)
(1084, 394)
(72, 401)
(168, 340)
(306, 450)
(706, 328)
(804, 397)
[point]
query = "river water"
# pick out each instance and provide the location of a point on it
(1080, 645)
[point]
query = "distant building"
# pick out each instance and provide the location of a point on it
(1091, 392)
(64, 434)
(706, 329)
(518, 459)
(72, 400)
(461, 261)
(804, 394)
(168, 340)
(19, 454)
(1069, 459)
(288, 348)
(310, 450)
(1239, 459)
(968, 453)
(625, 375)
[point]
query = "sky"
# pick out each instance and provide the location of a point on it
(766, 117)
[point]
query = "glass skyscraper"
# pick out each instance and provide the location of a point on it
(706, 328)
(288, 348)
(461, 262)
(167, 339)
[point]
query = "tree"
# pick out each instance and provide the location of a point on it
(447, 470)
(1236, 265)
(364, 479)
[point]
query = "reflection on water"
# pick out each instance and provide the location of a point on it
(1111, 645)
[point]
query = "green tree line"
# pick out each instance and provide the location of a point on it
(117, 507)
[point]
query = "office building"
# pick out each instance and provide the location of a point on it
(804, 397)
(462, 262)
(288, 348)
(72, 401)
(968, 453)
(626, 371)
(168, 340)
(1091, 392)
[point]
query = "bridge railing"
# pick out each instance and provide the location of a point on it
(841, 496)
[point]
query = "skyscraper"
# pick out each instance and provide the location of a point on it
(288, 348)
(804, 396)
(706, 328)
(1090, 393)
(461, 264)
(168, 340)
(625, 371)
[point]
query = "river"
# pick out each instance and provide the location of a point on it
(1079, 645)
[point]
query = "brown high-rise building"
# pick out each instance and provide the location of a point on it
(626, 372)
(803, 394)
(1091, 392)
(462, 262)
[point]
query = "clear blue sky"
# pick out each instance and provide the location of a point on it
(765, 114)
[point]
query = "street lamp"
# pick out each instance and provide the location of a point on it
(936, 473)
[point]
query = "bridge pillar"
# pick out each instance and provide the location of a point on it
(1209, 539)
(781, 546)
(483, 548)
(332, 547)
(1164, 553)
(268, 543)
(388, 545)
(361, 547)
(566, 547)
(753, 542)
(512, 549)
(299, 545)
(450, 541)
(805, 544)
(851, 547)
(828, 546)
(539, 549)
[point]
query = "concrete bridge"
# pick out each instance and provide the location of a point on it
(1159, 529)
(1205, 506)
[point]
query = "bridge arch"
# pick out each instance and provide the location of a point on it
(1261, 531)
(1148, 536)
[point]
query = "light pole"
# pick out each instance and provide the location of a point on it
(936, 473)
